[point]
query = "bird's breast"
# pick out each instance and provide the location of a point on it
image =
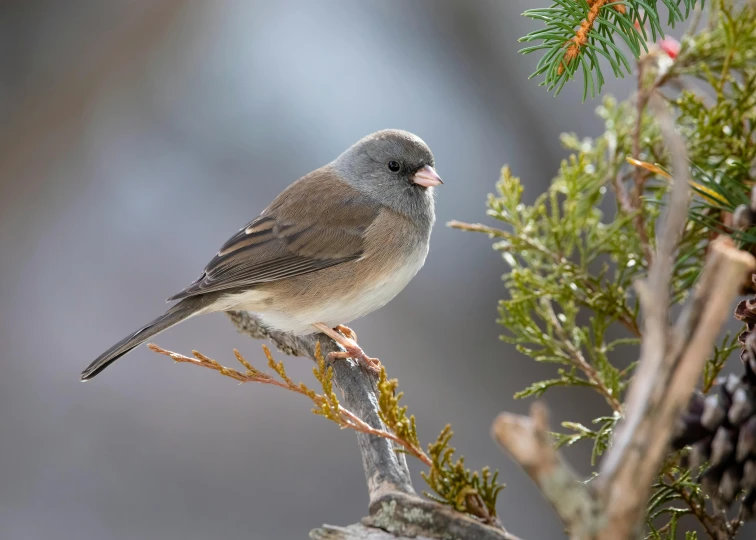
(395, 250)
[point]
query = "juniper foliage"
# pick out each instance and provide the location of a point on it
(574, 253)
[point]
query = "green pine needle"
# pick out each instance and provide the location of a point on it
(576, 32)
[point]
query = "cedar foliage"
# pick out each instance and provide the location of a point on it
(571, 265)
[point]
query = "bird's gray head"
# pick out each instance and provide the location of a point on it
(395, 168)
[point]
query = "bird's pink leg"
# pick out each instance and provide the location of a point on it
(351, 349)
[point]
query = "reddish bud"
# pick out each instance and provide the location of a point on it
(670, 46)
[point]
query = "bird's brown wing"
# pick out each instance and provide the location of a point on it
(317, 222)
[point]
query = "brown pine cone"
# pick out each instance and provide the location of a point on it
(720, 427)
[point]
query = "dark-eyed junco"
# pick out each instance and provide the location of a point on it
(335, 245)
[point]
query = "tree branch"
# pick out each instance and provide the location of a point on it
(385, 469)
(395, 510)
(528, 441)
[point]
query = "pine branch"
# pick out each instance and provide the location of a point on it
(578, 34)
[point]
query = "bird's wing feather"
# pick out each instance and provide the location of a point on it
(305, 229)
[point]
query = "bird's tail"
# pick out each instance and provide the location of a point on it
(181, 311)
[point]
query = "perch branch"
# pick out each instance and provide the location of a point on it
(394, 506)
(385, 469)
(671, 362)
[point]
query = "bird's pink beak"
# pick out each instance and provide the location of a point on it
(426, 177)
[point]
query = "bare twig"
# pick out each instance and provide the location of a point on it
(581, 363)
(640, 176)
(623, 198)
(528, 441)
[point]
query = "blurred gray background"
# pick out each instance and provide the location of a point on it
(135, 137)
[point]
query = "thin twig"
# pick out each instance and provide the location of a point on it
(640, 176)
(580, 361)
(527, 440)
(625, 319)
(715, 528)
(347, 418)
(623, 198)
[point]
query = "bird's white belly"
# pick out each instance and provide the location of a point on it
(351, 306)
(332, 311)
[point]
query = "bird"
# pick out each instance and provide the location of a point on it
(337, 244)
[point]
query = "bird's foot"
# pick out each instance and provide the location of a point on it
(372, 365)
(350, 346)
(348, 332)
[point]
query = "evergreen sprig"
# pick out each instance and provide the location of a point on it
(571, 269)
(454, 484)
(572, 256)
(600, 438)
(471, 492)
(579, 34)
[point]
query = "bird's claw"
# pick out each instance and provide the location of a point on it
(347, 339)
(354, 351)
(348, 332)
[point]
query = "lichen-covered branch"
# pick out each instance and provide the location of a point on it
(406, 516)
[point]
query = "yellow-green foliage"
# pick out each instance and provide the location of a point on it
(454, 484)
(466, 491)
(573, 254)
(470, 492)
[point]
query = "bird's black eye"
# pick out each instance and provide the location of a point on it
(394, 166)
